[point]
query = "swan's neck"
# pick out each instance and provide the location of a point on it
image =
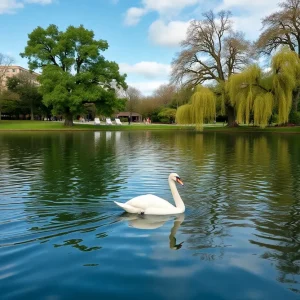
(178, 201)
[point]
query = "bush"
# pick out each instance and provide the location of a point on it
(294, 117)
(124, 119)
(274, 119)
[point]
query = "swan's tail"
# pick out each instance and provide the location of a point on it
(129, 208)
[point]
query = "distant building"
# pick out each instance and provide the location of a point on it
(10, 71)
(135, 117)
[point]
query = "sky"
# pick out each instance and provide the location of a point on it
(143, 35)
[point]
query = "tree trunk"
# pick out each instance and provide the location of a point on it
(68, 120)
(231, 116)
(31, 113)
(0, 113)
(295, 100)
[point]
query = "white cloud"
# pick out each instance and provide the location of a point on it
(170, 34)
(147, 69)
(11, 6)
(249, 18)
(244, 4)
(165, 8)
(147, 87)
(242, 24)
(133, 15)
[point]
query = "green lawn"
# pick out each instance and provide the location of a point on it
(15, 125)
(52, 126)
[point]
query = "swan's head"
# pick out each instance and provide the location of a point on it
(175, 177)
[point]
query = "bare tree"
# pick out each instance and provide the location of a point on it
(134, 96)
(5, 62)
(165, 93)
(211, 52)
(281, 28)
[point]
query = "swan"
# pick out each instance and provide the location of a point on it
(152, 205)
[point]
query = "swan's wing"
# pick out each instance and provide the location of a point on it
(149, 201)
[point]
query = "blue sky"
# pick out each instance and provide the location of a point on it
(143, 35)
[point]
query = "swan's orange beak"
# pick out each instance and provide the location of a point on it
(179, 180)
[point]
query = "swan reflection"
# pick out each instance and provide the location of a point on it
(153, 222)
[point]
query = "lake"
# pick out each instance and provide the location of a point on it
(62, 236)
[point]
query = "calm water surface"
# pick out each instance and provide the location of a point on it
(62, 237)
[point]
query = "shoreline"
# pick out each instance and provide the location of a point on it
(55, 126)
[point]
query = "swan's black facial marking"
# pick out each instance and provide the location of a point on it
(179, 180)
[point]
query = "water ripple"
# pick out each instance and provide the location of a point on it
(57, 192)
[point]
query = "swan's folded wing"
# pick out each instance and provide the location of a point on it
(149, 201)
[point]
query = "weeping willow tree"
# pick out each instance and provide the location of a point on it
(253, 92)
(286, 68)
(200, 109)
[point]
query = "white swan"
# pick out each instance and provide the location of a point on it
(153, 205)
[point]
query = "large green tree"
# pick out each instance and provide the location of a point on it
(212, 52)
(74, 71)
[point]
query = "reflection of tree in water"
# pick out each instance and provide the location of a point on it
(71, 171)
(243, 180)
(240, 180)
(278, 225)
(74, 168)
(203, 227)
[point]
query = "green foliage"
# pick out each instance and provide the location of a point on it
(258, 93)
(182, 96)
(8, 101)
(24, 85)
(202, 108)
(262, 109)
(184, 114)
(294, 117)
(286, 68)
(243, 89)
(221, 99)
(167, 115)
(74, 71)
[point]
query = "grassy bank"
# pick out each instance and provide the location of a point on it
(16, 125)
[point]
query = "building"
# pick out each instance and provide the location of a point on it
(135, 117)
(10, 71)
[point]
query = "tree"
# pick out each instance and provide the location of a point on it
(133, 98)
(25, 85)
(202, 107)
(74, 71)
(165, 94)
(212, 52)
(282, 29)
(182, 96)
(167, 115)
(6, 97)
(257, 93)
